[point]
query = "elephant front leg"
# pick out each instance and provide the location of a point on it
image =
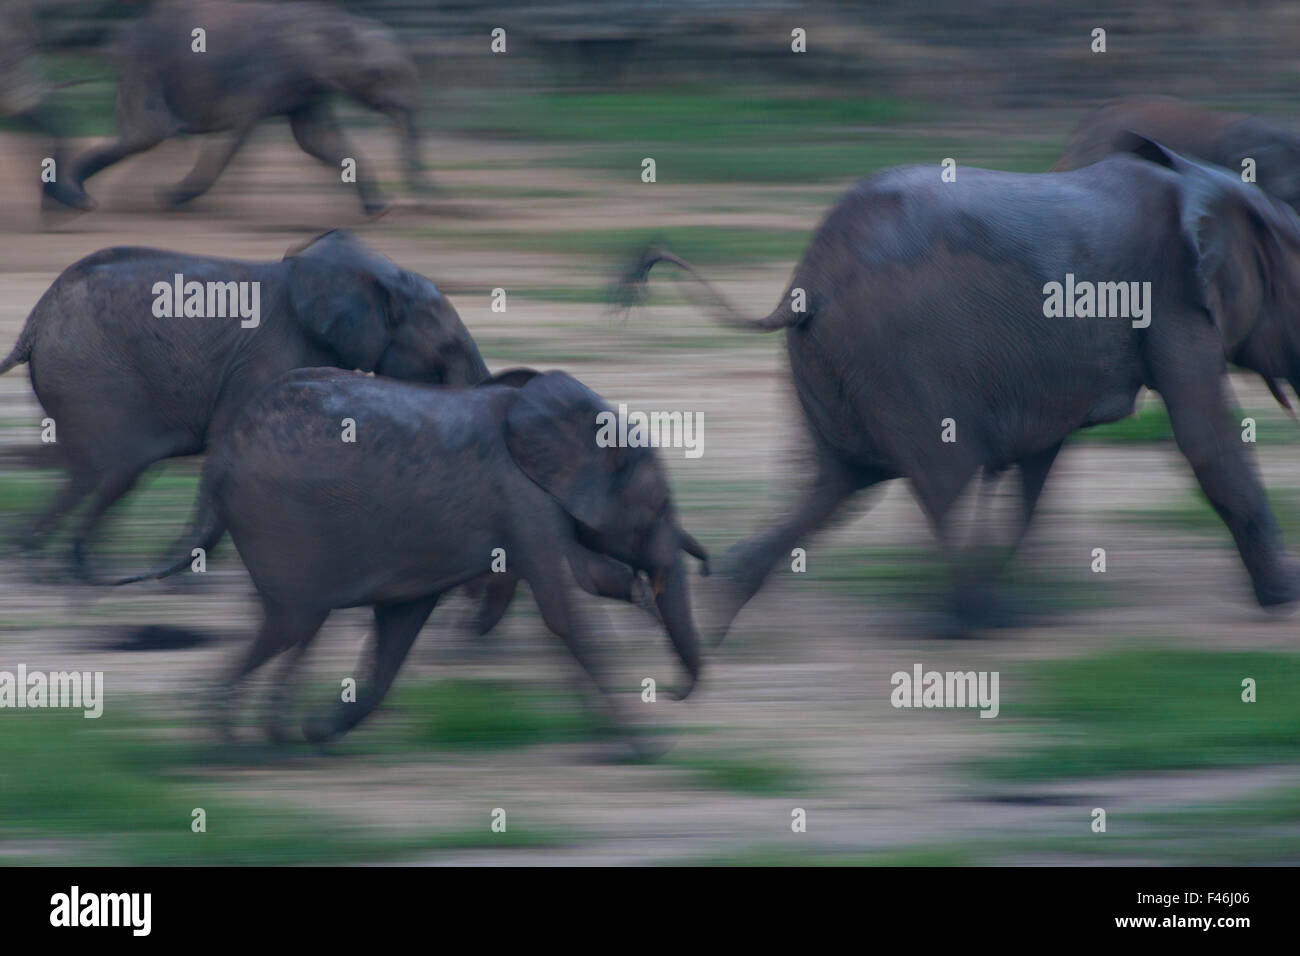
(319, 135)
(1208, 438)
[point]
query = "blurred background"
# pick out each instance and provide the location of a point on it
(1122, 690)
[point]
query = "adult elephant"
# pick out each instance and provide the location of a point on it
(126, 386)
(257, 60)
(439, 485)
(931, 344)
(1225, 139)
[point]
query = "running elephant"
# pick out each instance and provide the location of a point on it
(131, 367)
(437, 486)
(257, 60)
(936, 328)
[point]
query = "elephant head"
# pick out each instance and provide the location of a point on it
(378, 317)
(618, 497)
(1276, 153)
(1247, 254)
(360, 58)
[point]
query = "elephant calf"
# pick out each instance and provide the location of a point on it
(127, 362)
(938, 328)
(437, 484)
(257, 60)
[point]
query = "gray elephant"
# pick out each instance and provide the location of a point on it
(131, 374)
(258, 60)
(1224, 139)
(934, 340)
(437, 484)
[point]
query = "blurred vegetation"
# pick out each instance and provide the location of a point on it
(120, 789)
(1141, 710)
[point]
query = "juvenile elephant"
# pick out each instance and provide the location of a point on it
(127, 387)
(1225, 139)
(436, 481)
(258, 60)
(934, 340)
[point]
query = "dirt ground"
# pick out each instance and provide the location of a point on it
(804, 678)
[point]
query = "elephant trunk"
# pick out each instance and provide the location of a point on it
(416, 181)
(674, 602)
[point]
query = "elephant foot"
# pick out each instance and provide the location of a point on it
(278, 734)
(1281, 589)
(984, 607)
(376, 207)
(62, 196)
(726, 590)
(321, 728)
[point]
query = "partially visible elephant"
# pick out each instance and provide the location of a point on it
(1224, 139)
(259, 60)
(127, 388)
(933, 342)
(439, 484)
(24, 96)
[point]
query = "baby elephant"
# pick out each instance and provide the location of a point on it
(341, 489)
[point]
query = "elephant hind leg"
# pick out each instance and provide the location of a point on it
(213, 159)
(111, 487)
(747, 564)
(396, 628)
(282, 628)
(79, 483)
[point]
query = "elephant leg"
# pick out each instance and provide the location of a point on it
(110, 488)
(37, 120)
(498, 592)
(550, 587)
(746, 565)
(282, 628)
(1033, 475)
(938, 485)
(144, 120)
(1209, 440)
(319, 135)
(396, 628)
(213, 159)
(79, 484)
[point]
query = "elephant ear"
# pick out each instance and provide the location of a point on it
(511, 377)
(341, 294)
(1230, 227)
(551, 431)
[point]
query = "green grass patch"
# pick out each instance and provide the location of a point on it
(737, 773)
(122, 790)
(1145, 710)
(1151, 424)
(682, 114)
(913, 576)
(487, 715)
(145, 523)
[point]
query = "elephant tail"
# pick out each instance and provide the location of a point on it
(630, 291)
(22, 350)
(206, 529)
